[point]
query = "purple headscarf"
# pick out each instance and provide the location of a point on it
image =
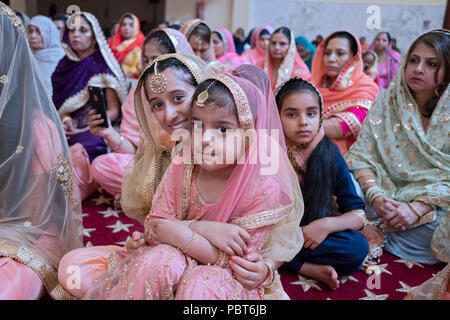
(72, 75)
(72, 78)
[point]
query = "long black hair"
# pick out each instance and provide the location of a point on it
(319, 181)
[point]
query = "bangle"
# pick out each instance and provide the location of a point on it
(414, 210)
(190, 243)
(368, 181)
(270, 275)
(374, 192)
(364, 173)
(119, 145)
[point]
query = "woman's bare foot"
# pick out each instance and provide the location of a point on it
(324, 273)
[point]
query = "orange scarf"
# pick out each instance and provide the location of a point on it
(116, 42)
(352, 88)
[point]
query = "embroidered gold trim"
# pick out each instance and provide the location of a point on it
(46, 273)
(352, 122)
(187, 189)
(15, 20)
(193, 68)
(243, 107)
(343, 105)
(64, 176)
(427, 218)
(343, 80)
(439, 202)
(364, 173)
(78, 100)
(263, 219)
(4, 79)
(105, 49)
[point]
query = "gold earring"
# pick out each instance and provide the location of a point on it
(158, 83)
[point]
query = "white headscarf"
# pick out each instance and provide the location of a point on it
(48, 57)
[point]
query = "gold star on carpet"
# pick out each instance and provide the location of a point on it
(409, 263)
(346, 278)
(404, 288)
(306, 283)
(378, 269)
(373, 296)
(119, 226)
(102, 200)
(109, 213)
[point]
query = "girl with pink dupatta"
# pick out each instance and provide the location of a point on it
(225, 49)
(389, 60)
(282, 60)
(107, 170)
(260, 43)
(210, 222)
(348, 93)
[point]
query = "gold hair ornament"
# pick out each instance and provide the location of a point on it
(158, 83)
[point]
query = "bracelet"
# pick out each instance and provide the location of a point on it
(374, 192)
(364, 173)
(119, 145)
(362, 215)
(414, 210)
(270, 276)
(221, 253)
(367, 182)
(190, 243)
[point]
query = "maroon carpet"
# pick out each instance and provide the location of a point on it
(105, 226)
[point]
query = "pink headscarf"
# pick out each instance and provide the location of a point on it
(388, 70)
(257, 53)
(230, 58)
(257, 111)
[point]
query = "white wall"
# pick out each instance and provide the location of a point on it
(309, 18)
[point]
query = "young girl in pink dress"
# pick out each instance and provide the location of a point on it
(212, 221)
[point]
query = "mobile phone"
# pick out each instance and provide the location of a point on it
(98, 103)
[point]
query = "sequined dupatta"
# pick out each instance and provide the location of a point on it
(153, 156)
(410, 164)
(256, 195)
(40, 210)
(73, 75)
